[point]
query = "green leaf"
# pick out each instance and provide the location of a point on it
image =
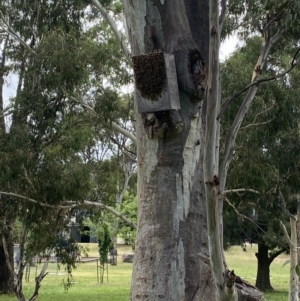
(297, 269)
(287, 262)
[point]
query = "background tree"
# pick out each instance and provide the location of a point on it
(263, 150)
(50, 129)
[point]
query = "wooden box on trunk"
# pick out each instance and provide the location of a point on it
(156, 82)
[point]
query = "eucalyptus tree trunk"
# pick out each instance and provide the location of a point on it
(294, 277)
(6, 277)
(292, 241)
(172, 226)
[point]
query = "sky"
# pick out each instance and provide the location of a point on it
(228, 46)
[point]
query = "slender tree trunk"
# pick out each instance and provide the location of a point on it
(298, 237)
(128, 171)
(6, 277)
(263, 268)
(294, 278)
(172, 226)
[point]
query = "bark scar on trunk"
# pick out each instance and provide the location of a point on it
(198, 70)
(214, 182)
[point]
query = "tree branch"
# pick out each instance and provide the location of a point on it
(115, 126)
(285, 233)
(10, 31)
(228, 101)
(252, 89)
(260, 113)
(255, 124)
(122, 146)
(102, 206)
(242, 216)
(278, 16)
(128, 171)
(114, 28)
(15, 195)
(241, 190)
(282, 205)
(40, 277)
(70, 204)
(254, 21)
(123, 131)
(274, 255)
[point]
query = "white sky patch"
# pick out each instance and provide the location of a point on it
(10, 88)
(228, 47)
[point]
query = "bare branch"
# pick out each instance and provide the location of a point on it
(22, 263)
(241, 190)
(277, 36)
(242, 216)
(123, 131)
(15, 195)
(122, 146)
(276, 17)
(282, 205)
(255, 124)
(285, 233)
(114, 28)
(260, 63)
(40, 277)
(128, 171)
(231, 137)
(102, 206)
(260, 113)
(6, 111)
(10, 31)
(70, 204)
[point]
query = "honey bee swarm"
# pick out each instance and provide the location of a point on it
(150, 74)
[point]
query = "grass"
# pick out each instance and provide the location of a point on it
(86, 287)
(244, 264)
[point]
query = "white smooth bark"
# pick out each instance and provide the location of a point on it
(292, 241)
(225, 290)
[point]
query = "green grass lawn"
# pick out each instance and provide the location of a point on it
(244, 264)
(86, 287)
